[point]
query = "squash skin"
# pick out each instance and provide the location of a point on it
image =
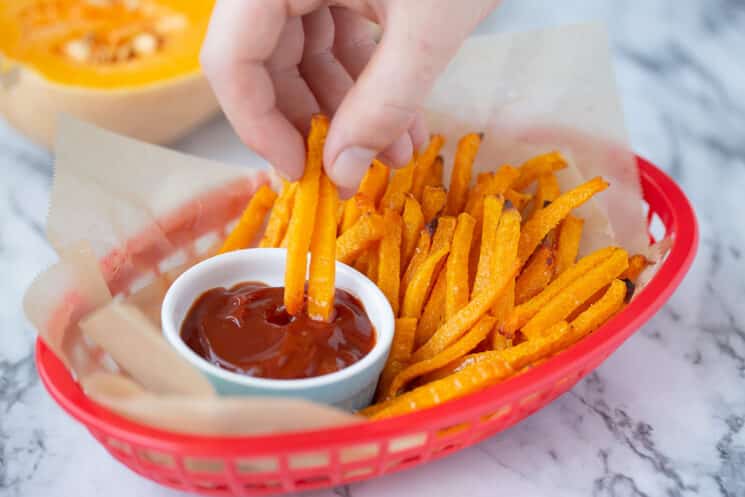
(159, 112)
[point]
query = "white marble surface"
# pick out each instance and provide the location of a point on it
(663, 416)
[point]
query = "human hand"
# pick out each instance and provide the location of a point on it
(274, 63)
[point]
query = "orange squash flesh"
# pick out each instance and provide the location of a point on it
(131, 66)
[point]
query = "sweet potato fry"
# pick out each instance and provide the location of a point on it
(403, 343)
(518, 199)
(433, 314)
(456, 385)
(372, 187)
(433, 202)
(542, 164)
(367, 230)
(601, 311)
(373, 261)
(279, 217)
(570, 234)
(434, 178)
(299, 232)
(517, 357)
(415, 293)
(424, 164)
(576, 293)
(546, 219)
(537, 273)
(502, 309)
(547, 191)
(251, 220)
(389, 259)
(492, 212)
(420, 254)
(321, 287)
(499, 341)
(398, 187)
(456, 267)
(637, 264)
(360, 204)
(526, 311)
(463, 346)
(460, 177)
(444, 232)
(503, 269)
(413, 223)
(492, 184)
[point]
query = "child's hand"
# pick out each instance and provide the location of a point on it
(274, 63)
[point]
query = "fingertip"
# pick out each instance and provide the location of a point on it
(419, 133)
(398, 153)
(348, 169)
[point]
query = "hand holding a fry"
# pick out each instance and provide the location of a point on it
(274, 63)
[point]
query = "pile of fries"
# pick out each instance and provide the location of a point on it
(484, 279)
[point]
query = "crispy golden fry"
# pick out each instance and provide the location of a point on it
(537, 273)
(433, 202)
(321, 287)
(359, 205)
(524, 312)
(570, 234)
(372, 187)
(433, 314)
(373, 261)
(389, 259)
(413, 223)
(415, 293)
(546, 219)
(601, 311)
(547, 191)
(518, 200)
(279, 217)
(503, 306)
(491, 184)
(398, 187)
(251, 220)
(434, 178)
(366, 231)
(403, 343)
(420, 254)
(637, 264)
(499, 341)
(492, 212)
(576, 293)
(340, 208)
(299, 232)
(361, 262)
(538, 166)
(456, 267)
(462, 383)
(467, 343)
(424, 164)
(444, 232)
(518, 356)
(503, 269)
(460, 177)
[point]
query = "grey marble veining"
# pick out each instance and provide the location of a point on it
(664, 416)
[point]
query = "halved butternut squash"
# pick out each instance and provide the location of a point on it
(127, 65)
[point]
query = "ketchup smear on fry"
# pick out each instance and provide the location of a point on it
(245, 329)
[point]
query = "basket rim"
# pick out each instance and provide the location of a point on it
(658, 190)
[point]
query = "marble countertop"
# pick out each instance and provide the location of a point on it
(665, 415)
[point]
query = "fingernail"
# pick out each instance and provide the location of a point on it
(349, 168)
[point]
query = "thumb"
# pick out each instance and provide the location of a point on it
(383, 103)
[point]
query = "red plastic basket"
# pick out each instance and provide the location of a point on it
(273, 464)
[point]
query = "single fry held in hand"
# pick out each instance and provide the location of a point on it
(485, 277)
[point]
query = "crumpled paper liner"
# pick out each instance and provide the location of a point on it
(127, 218)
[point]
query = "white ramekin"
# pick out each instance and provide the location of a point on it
(349, 388)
